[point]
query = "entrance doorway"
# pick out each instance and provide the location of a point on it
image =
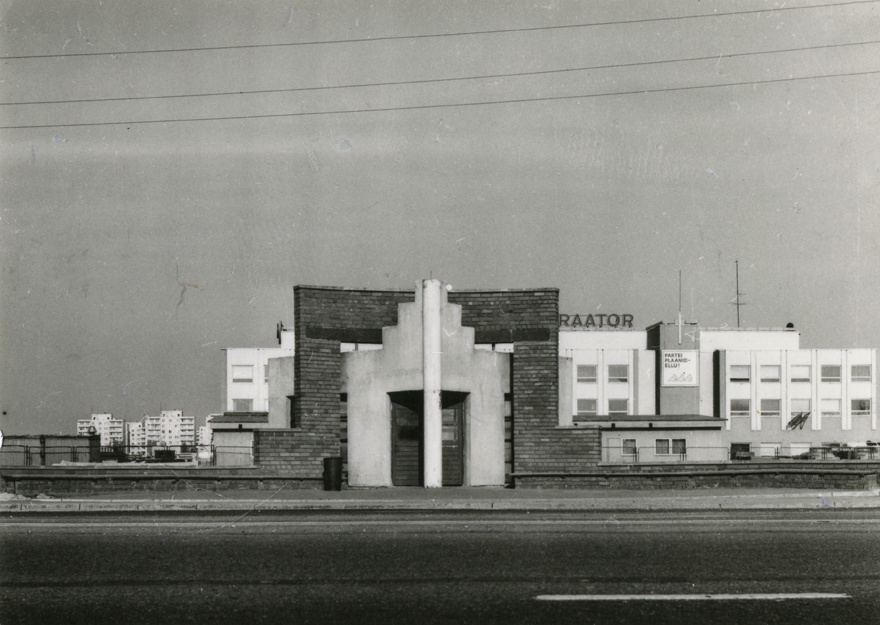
(407, 438)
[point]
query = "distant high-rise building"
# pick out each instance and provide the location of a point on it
(170, 428)
(205, 435)
(110, 429)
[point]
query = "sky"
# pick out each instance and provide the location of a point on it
(170, 170)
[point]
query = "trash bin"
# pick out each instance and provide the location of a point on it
(332, 473)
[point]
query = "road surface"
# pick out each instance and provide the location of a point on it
(804, 568)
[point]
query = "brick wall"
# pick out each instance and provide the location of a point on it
(530, 318)
(296, 453)
(324, 317)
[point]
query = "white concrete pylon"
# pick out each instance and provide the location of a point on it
(431, 371)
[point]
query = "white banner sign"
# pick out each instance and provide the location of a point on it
(680, 368)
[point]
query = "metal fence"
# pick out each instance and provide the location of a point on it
(650, 455)
(38, 456)
(201, 455)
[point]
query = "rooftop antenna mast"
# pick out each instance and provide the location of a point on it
(679, 306)
(738, 303)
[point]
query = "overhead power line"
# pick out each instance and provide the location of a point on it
(396, 83)
(449, 105)
(646, 20)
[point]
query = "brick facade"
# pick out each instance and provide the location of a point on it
(326, 316)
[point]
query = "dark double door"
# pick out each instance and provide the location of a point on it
(408, 440)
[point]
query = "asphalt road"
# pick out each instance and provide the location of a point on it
(803, 568)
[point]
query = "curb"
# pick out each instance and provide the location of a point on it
(808, 502)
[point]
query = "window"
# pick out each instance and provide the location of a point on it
(740, 408)
(830, 407)
(799, 406)
(800, 373)
(664, 446)
(740, 373)
(831, 373)
(265, 373)
(629, 447)
(290, 412)
(586, 408)
(770, 407)
(740, 451)
(860, 373)
(242, 405)
(769, 373)
(586, 373)
(618, 407)
(861, 407)
(800, 412)
(242, 373)
(618, 373)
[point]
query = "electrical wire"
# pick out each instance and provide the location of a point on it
(449, 105)
(647, 20)
(440, 80)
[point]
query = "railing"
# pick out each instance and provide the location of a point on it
(202, 455)
(37, 456)
(649, 455)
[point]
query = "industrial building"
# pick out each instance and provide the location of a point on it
(440, 387)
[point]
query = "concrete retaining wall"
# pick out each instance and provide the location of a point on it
(838, 476)
(90, 481)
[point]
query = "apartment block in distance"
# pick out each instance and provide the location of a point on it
(110, 429)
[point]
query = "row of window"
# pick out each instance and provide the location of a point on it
(589, 407)
(590, 373)
(827, 407)
(245, 373)
(800, 373)
(741, 373)
(662, 446)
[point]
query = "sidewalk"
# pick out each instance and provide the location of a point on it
(448, 499)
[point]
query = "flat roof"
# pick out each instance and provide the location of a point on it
(674, 418)
(241, 417)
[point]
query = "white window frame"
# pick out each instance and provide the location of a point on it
(860, 407)
(236, 406)
(827, 373)
(585, 377)
(829, 407)
(670, 444)
(617, 378)
(740, 373)
(243, 374)
(800, 369)
(587, 412)
(767, 410)
(618, 411)
(862, 376)
(771, 373)
(741, 412)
